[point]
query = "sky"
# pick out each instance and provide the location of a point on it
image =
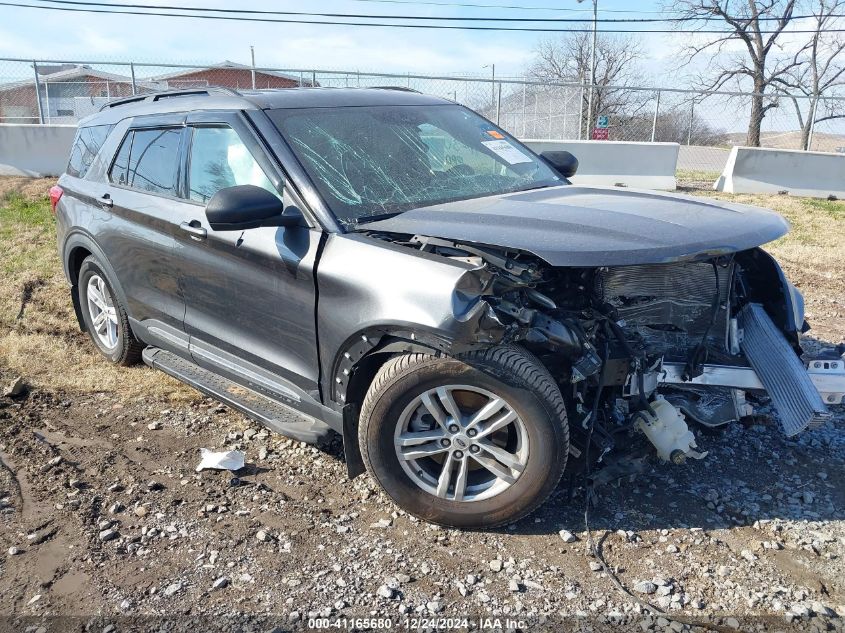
(33, 33)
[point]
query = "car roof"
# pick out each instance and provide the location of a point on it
(227, 99)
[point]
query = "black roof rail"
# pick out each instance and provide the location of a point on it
(165, 94)
(402, 88)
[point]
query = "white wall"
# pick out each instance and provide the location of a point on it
(35, 150)
(637, 165)
(799, 173)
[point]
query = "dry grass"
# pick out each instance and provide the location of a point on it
(39, 337)
(40, 340)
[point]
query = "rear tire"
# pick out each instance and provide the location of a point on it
(416, 449)
(105, 316)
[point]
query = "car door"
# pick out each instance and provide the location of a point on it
(141, 202)
(249, 294)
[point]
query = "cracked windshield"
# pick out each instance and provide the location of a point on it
(372, 162)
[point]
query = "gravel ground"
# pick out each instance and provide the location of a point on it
(104, 518)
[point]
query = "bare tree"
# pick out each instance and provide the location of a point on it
(758, 24)
(818, 67)
(567, 60)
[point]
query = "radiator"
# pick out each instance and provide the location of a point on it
(782, 373)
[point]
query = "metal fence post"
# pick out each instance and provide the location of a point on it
(132, 75)
(565, 115)
(313, 78)
(581, 111)
(812, 124)
(654, 122)
(498, 103)
(549, 133)
(38, 92)
(691, 114)
(524, 90)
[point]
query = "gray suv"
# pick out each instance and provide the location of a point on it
(395, 268)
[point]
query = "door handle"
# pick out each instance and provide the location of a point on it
(194, 229)
(106, 201)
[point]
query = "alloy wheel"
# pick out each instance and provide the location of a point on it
(461, 443)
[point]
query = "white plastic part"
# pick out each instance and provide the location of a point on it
(669, 432)
(224, 460)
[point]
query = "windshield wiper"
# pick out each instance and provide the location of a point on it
(375, 218)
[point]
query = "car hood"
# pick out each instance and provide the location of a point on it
(595, 226)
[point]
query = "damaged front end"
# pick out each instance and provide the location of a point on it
(648, 347)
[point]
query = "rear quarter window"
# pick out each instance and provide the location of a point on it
(85, 148)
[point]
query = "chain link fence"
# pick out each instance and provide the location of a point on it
(705, 124)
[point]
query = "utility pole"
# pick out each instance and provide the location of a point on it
(590, 121)
(252, 55)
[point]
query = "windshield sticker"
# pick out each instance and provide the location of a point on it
(506, 151)
(495, 134)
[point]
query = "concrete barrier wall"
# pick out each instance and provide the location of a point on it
(799, 173)
(638, 165)
(34, 150)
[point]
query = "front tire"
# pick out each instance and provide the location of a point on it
(472, 441)
(105, 317)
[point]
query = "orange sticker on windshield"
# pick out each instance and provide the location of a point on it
(495, 134)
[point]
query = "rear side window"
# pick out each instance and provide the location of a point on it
(220, 159)
(85, 148)
(148, 160)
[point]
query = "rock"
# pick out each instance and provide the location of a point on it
(154, 426)
(173, 588)
(108, 534)
(496, 565)
(645, 586)
(732, 622)
(250, 433)
(748, 555)
(263, 536)
(15, 388)
(51, 464)
(154, 485)
(594, 566)
(434, 606)
(385, 592)
(567, 536)
(116, 507)
(14, 551)
(382, 523)
(220, 583)
(141, 511)
(513, 585)
(37, 596)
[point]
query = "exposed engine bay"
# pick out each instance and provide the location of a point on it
(650, 348)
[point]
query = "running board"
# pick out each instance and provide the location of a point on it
(273, 414)
(793, 394)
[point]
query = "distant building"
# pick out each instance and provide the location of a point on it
(71, 91)
(68, 92)
(231, 75)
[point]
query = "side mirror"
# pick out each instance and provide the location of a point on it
(247, 207)
(562, 162)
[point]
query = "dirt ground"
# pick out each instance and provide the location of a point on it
(107, 527)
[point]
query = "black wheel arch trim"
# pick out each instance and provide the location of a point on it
(75, 240)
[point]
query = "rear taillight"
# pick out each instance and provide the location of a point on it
(55, 195)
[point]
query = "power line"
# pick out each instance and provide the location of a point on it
(370, 16)
(502, 6)
(387, 25)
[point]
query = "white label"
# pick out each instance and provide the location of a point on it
(506, 151)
